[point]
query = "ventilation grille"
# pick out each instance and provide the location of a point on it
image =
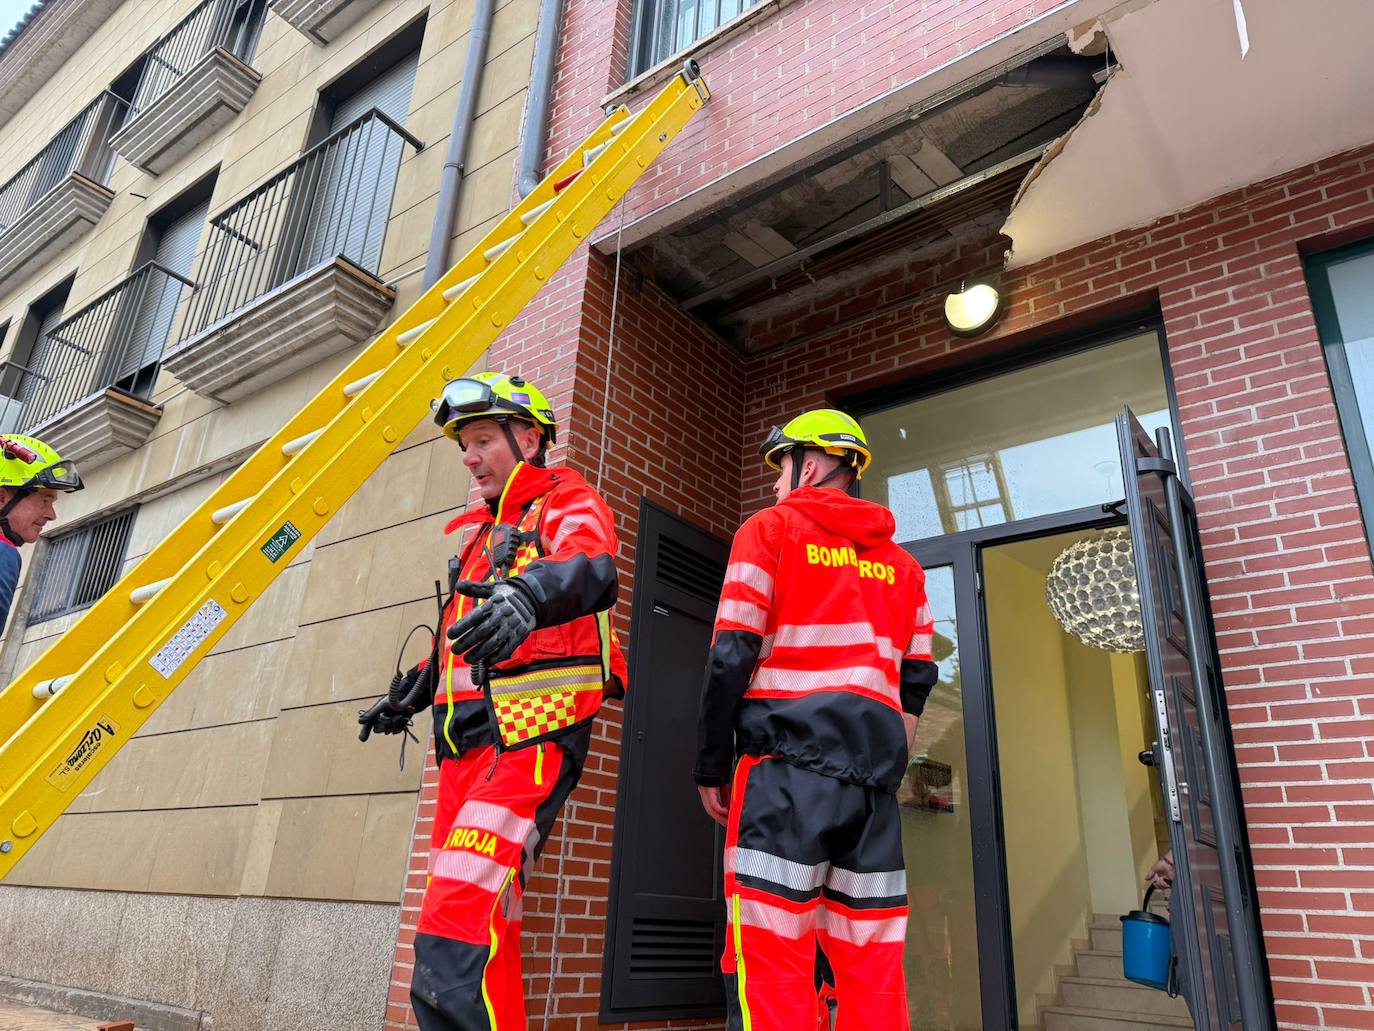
(666, 948)
(684, 569)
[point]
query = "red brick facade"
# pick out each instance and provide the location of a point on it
(1287, 560)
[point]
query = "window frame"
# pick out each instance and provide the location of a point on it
(1358, 449)
(1023, 354)
(641, 57)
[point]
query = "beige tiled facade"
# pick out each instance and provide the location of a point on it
(249, 781)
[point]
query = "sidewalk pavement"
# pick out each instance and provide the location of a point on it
(14, 1017)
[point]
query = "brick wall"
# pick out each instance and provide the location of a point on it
(1287, 561)
(791, 71)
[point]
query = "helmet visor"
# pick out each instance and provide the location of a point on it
(467, 395)
(58, 476)
(776, 439)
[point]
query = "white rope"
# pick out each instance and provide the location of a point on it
(600, 469)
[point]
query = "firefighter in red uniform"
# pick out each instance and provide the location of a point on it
(819, 668)
(524, 657)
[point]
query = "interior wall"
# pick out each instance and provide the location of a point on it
(1047, 868)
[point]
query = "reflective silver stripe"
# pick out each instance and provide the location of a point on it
(824, 635)
(888, 650)
(884, 885)
(921, 644)
(499, 820)
(859, 930)
(562, 680)
(782, 922)
(745, 612)
(768, 867)
(802, 681)
(468, 867)
(924, 615)
(751, 576)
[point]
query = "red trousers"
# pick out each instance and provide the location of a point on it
(492, 818)
(810, 860)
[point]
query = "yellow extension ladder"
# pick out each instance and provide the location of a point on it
(64, 717)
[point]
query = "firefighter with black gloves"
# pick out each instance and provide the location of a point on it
(819, 668)
(524, 657)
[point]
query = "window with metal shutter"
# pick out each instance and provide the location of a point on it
(359, 174)
(42, 346)
(79, 566)
(176, 250)
(666, 927)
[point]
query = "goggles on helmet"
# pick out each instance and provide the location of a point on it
(58, 476)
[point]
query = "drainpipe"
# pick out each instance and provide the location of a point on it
(450, 185)
(535, 137)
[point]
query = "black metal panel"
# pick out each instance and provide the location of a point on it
(666, 925)
(1216, 924)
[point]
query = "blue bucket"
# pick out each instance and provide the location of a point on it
(1146, 946)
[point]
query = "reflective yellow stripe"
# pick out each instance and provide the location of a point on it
(495, 944)
(448, 719)
(539, 765)
(501, 505)
(536, 675)
(603, 631)
(739, 970)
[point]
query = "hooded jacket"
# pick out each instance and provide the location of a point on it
(10, 564)
(822, 640)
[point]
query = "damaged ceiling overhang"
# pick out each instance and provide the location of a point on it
(913, 191)
(1185, 118)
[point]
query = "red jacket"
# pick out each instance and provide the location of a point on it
(822, 640)
(565, 554)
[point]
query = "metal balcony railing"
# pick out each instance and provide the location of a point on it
(333, 201)
(14, 384)
(115, 341)
(83, 146)
(232, 25)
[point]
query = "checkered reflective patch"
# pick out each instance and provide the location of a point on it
(522, 719)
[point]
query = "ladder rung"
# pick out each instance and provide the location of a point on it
(588, 156)
(534, 213)
(454, 292)
(492, 253)
(223, 515)
(620, 126)
(359, 385)
(146, 593)
(295, 447)
(48, 688)
(566, 181)
(413, 334)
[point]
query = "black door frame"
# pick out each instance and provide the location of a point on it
(963, 552)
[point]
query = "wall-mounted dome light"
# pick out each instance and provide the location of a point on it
(975, 308)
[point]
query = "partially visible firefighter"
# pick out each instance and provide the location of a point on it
(32, 474)
(819, 669)
(524, 656)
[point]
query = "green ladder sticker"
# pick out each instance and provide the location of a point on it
(280, 542)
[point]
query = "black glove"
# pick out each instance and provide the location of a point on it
(390, 714)
(491, 632)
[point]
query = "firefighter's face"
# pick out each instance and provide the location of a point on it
(487, 453)
(28, 518)
(783, 486)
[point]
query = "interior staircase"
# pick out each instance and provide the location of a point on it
(1094, 996)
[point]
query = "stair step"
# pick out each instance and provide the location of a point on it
(1105, 939)
(1098, 963)
(1083, 1018)
(1119, 996)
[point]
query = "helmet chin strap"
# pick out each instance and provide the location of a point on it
(17, 495)
(537, 460)
(798, 460)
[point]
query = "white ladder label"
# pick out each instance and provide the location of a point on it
(188, 638)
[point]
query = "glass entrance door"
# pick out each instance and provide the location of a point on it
(942, 975)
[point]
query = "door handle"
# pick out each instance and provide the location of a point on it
(1147, 756)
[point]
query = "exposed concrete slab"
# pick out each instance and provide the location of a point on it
(63, 215)
(321, 21)
(100, 428)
